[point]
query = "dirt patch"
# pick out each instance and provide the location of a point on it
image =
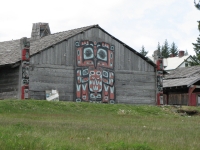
(188, 112)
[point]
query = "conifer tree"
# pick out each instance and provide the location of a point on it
(197, 5)
(173, 50)
(165, 50)
(197, 52)
(159, 49)
(143, 52)
(196, 45)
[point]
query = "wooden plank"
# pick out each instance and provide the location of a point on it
(44, 56)
(63, 53)
(54, 66)
(41, 86)
(8, 84)
(125, 64)
(59, 51)
(8, 95)
(138, 78)
(135, 92)
(129, 60)
(96, 34)
(9, 89)
(48, 55)
(135, 72)
(139, 63)
(49, 79)
(56, 54)
(132, 61)
(52, 73)
(121, 57)
(138, 87)
(70, 55)
(120, 83)
(67, 54)
(134, 100)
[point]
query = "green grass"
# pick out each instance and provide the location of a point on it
(38, 125)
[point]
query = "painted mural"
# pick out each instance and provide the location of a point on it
(159, 66)
(25, 70)
(95, 72)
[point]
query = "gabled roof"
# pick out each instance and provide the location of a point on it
(172, 63)
(10, 50)
(182, 77)
(180, 82)
(184, 72)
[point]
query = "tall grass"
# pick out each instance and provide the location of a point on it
(39, 125)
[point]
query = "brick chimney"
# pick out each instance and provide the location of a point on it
(40, 30)
(181, 53)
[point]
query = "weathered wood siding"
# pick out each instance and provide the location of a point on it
(178, 98)
(53, 68)
(9, 82)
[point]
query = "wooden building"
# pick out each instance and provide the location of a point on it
(182, 86)
(83, 64)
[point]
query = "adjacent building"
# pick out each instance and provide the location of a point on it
(174, 62)
(182, 86)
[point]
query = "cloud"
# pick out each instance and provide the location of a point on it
(134, 22)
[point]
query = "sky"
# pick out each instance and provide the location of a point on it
(137, 23)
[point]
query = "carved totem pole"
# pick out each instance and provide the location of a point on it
(25, 57)
(159, 68)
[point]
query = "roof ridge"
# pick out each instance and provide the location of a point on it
(10, 41)
(74, 29)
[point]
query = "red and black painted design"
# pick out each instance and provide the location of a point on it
(159, 68)
(95, 72)
(25, 56)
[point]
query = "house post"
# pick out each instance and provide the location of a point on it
(24, 70)
(190, 96)
(159, 68)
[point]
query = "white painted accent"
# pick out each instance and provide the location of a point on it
(95, 87)
(110, 81)
(84, 86)
(78, 87)
(106, 88)
(112, 89)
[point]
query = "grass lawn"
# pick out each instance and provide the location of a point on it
(41, 125)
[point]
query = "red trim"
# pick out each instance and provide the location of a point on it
(159, 65)
(191, 96)
(193, 99)
(22, 91)
(24, 51)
